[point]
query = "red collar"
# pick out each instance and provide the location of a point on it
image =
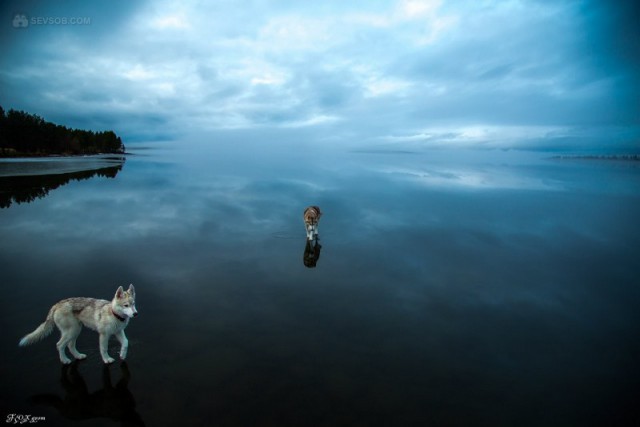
(120, 318)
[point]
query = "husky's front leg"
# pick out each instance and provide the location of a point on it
(104, 347)
(124, 344)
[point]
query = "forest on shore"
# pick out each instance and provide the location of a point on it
(24, 134)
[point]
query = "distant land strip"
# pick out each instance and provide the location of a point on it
(28, 135)
(624, 157)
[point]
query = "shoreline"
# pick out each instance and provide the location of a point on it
(61, 155)
(55, 165)
(614, 157)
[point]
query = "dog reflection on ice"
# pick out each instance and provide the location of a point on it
(112, 402)
(311, 253)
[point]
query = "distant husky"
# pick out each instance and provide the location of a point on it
(311, 217)
(105, 317)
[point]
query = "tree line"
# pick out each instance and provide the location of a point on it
(24, 134)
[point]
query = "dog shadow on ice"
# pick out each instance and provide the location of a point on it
(112, 402)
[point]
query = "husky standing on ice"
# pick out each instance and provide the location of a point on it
(311, 217)
(105, 317)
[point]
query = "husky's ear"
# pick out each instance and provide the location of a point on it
(131, 290)
(119, 292)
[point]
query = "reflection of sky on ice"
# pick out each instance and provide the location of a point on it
(480, 179)
(233, 197)
(491, 292)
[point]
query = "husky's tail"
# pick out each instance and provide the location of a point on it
(42, 331)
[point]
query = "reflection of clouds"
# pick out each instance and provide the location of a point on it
(472, 295)
(167, 221)
(226, 205)
(472, 178)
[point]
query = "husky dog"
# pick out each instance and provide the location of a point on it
(311, 217)
(105, 317)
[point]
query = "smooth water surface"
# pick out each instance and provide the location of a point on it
(452, 288)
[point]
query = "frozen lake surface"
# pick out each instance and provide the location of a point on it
(453, 288)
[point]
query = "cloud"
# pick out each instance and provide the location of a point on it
(171, 22)
(370, 69)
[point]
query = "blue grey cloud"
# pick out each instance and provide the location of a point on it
(373, 71)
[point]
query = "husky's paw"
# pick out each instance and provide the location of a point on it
(80, 356)
(108, 360)
(65, 361)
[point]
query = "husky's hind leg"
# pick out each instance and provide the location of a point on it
(69, 330)
(74, 351)
(72, 343)
(60, 345)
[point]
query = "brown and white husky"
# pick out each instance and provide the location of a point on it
(311, 218)
(105, 317)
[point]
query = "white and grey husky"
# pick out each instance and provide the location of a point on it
(311, 218)
(105, 317)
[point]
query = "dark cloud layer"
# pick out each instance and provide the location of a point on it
(371, 71)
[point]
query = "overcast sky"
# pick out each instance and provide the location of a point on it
(413, 71)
